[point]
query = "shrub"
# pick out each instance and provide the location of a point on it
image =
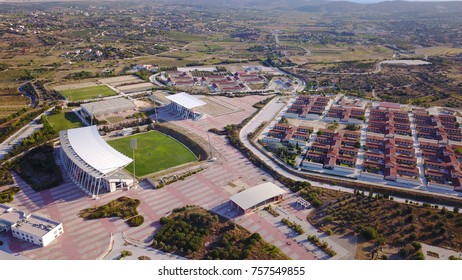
(370, 233)
(416, 245)
(124, 254)
(404, 252)
(420, 256)
(135, 221)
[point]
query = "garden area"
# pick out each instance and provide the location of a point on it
(123, 207)
(7, 196)
(196, 233)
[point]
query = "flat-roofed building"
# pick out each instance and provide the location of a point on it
(252, 198)
(32, 228)
(106, 107)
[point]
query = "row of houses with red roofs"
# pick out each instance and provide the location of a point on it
(239, 81)
(443, 163)
(442, 127)
(307, 106)
(392, 157)
(334, 150)
(288, 134)
(389, 122)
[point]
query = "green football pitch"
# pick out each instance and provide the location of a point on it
(64, 120)
(88, 93)
(155, 152)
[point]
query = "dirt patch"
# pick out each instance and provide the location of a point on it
(215, 107)
(75, 86)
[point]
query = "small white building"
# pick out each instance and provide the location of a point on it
(32, 228)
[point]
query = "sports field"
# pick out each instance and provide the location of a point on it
(64, 120)
(155, 152)
(79, 94)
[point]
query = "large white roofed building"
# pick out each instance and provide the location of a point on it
(257, 196)
(92, 163)
(183, 104)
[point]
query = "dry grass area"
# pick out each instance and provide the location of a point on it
(75, 86)
(11, 101)
(439, 51)
(214, 108)
(329, 54)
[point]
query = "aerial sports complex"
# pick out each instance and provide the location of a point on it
(91, 163)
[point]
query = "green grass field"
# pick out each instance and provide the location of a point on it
(155, 152)
(64, 121)
(88, 93)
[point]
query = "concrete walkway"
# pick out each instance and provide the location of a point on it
(120, 245)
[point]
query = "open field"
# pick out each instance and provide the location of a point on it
(75, 86)
(326, 54)
(155, 152)
(64, 120)
(11, 103)
(214, 108)
(88, 93)
(438, 51)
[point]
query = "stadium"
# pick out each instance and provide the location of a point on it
(91, 163)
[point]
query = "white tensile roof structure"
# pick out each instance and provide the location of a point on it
(94, 151)
(253, 196)
(185, 100)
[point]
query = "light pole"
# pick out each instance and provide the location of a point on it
(210, 148)
(133, 146)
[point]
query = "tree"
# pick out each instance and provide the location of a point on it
(370, 233)
(416, 245)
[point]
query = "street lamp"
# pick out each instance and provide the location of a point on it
(133, 146)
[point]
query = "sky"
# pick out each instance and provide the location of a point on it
(377, 1)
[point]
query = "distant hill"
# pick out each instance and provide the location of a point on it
(309, 6)
(387, 7)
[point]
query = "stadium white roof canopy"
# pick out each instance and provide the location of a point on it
(185, 100)
(91, 148)
(253, 196)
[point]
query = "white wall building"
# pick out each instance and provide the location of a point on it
(32, 228)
